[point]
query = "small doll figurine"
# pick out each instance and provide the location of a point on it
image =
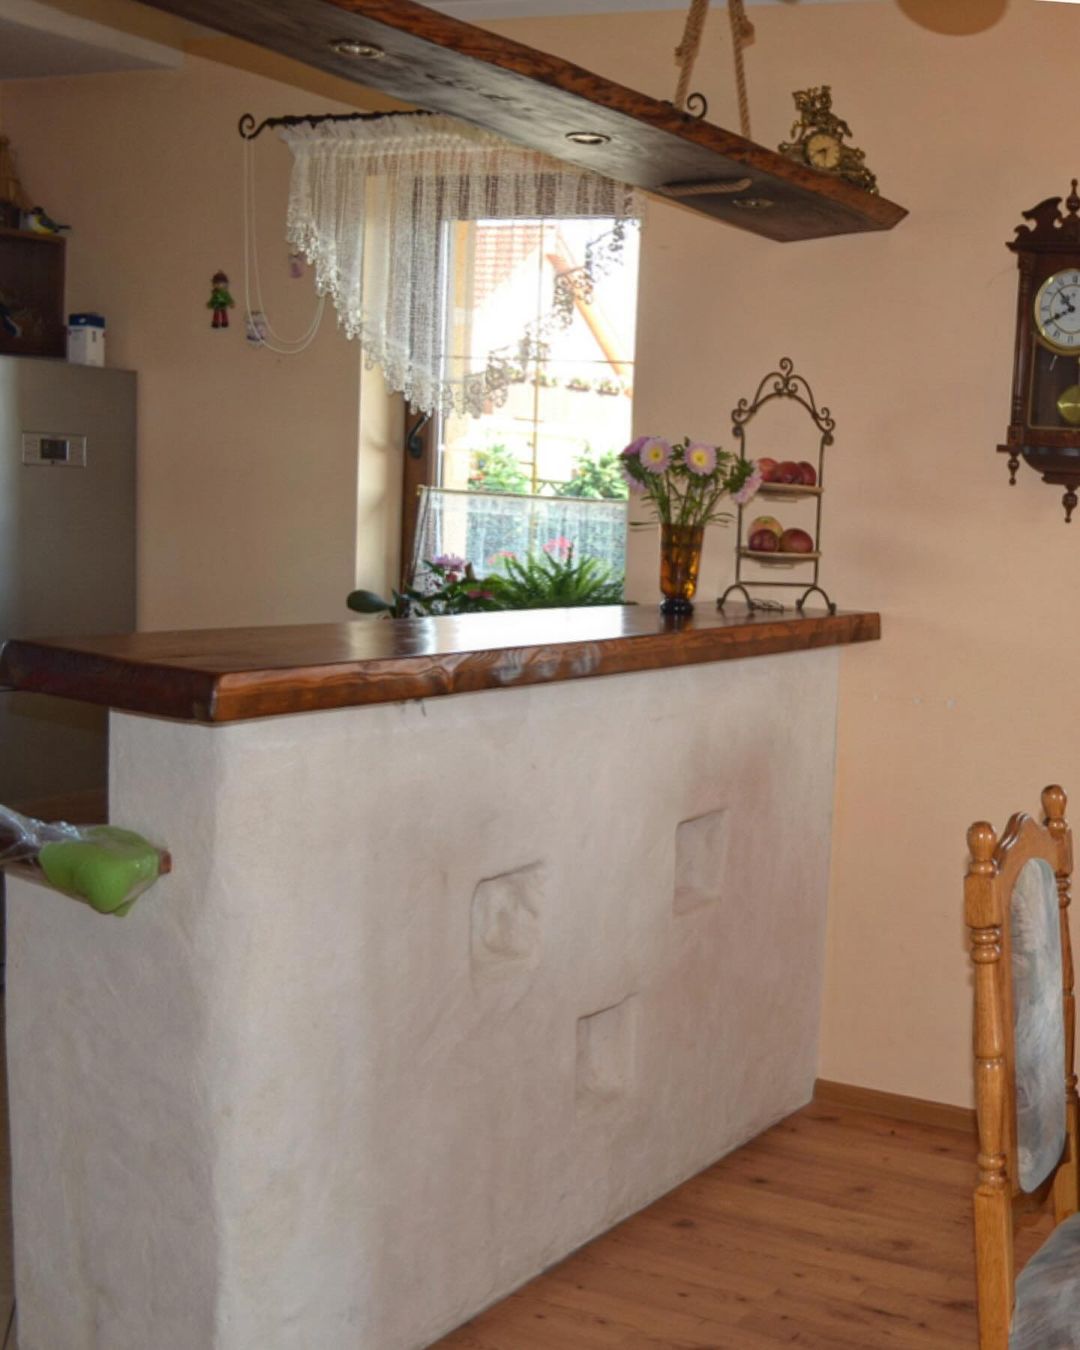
(220, 300)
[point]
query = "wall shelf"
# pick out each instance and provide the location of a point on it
(32, 293)
(536, 99)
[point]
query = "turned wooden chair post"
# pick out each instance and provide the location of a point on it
(1067, 1180)
(993, 1200)
(1016, 902)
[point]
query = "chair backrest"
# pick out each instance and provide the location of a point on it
(1016, 895)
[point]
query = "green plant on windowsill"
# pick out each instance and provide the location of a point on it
(552, 579)
(596, 476)
(549, 580)
(449, 586)
(497, 470)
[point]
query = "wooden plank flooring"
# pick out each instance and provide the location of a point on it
(836, 1228)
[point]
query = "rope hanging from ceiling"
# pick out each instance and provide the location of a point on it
(686, 54)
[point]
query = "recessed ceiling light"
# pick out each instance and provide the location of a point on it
(354, 47)
(752, 203)
(587, 137)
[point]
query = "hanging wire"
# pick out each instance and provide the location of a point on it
(274, 341)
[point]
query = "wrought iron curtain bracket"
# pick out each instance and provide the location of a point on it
(249, 129)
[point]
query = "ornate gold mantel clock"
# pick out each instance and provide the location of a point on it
(817, 139)
(1044, 426)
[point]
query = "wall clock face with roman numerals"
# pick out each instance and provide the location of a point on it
(1057, 312)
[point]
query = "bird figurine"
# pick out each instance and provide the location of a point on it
(40, 222)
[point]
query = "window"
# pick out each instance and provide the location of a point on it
(552, 445)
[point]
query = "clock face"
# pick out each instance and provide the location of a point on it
(822, 150)
(1057, 312)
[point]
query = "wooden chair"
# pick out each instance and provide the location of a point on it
(1016, 895)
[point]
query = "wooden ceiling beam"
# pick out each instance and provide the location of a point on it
(533, 98)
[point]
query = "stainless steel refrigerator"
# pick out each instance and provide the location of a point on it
(67, 559)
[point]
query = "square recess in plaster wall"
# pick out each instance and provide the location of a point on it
(700, 860)
(607, 1052)
(505, 922)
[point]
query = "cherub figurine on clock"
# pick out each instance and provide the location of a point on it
(818, 140)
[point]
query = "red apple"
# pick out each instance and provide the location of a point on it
(807, 473)
(764, 541)
(766, 523)
(796, 541)
(767, 468)
(787, 471)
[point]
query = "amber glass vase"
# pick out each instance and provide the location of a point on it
(680, 559)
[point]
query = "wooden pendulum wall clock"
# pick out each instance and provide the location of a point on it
(1044, 428)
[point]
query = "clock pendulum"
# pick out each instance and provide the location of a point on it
(1068, 405)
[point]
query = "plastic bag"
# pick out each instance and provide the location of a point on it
(104, 866)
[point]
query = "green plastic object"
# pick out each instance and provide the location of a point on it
(106, 866)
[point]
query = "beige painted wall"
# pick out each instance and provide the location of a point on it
(252, 508)
(964, 709)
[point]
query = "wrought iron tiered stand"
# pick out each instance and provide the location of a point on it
(780, 384)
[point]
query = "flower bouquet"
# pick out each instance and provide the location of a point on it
(684, 484)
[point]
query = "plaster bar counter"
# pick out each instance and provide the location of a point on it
(438, 988)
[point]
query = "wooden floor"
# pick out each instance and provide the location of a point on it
(835, 1228)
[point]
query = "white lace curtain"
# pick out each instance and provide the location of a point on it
(368, 204)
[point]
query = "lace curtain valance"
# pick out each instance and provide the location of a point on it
(369, 204)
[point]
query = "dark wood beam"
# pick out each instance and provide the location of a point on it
(536, 99)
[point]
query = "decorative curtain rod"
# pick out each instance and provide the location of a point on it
(248, 129)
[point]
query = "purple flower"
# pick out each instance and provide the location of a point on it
(632, 483)
(748, 489)
(635, 447)
(655, 455)
(700, 458)
(449, 561)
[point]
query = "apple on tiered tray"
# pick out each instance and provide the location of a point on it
(784, 478)
(768, 536)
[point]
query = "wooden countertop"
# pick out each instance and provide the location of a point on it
(227, 674)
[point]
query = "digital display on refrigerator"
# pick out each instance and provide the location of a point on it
(54, 450)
